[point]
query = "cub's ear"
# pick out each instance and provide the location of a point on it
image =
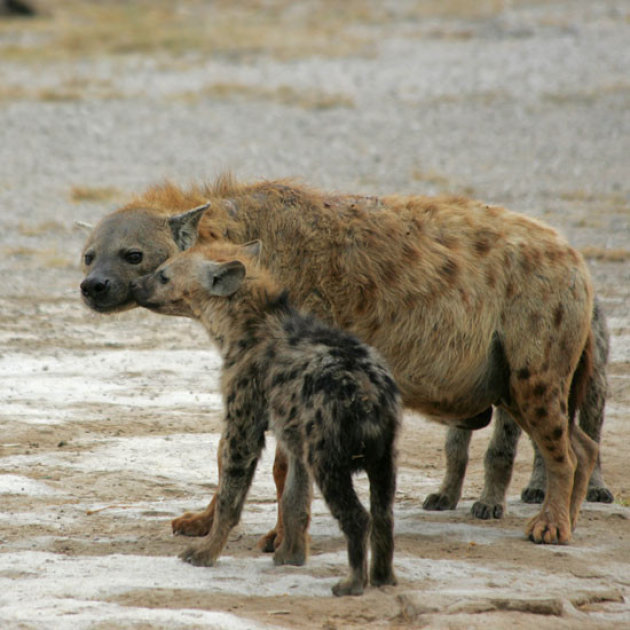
(223, 279)
(253, 249)
(184, 226)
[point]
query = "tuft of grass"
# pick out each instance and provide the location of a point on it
(284, 94)
(607, 255)
(75, 89)
(590, 96)
(40, 229)
(94, 194)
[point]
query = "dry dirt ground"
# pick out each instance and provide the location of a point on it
(109, 425)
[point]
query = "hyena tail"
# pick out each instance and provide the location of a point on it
(581, 377)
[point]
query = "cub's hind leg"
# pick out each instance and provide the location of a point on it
(343, 502)
(382, 478)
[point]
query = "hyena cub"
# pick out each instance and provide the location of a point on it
(328, 397)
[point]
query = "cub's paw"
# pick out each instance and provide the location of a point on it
(270, 541)
(289, 556)
(383, 578)
(192, 524)
(348, 587)
(487, 511)
(198, 557)
(437, 502)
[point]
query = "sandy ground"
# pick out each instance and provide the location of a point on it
(109, 425)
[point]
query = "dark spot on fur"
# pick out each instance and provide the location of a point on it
(541, 412)
(558, 315)
(563, 406)
(491, 278)
(509, 290)
(540, 389)
(559, 459)
(557, 433)
(482, 243)
(523, 374)
(449, 270)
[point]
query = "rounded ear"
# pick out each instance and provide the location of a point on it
(224, 279)
(184, 226)
(253, 248)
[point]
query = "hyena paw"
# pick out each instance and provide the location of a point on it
(544, 528)
(270, 541)
(289, 556)
(600, 495)
(348, 587)
(532, 495)
(487, 511)
(198, 557)
(437, 502)
(192, 524)
(383, 578)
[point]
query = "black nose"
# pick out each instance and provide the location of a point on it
(95, 287)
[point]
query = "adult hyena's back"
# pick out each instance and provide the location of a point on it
(432, 283)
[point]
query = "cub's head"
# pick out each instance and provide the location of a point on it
(185, 283)
(128, 244)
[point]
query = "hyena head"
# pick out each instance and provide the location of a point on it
(190, 280)
(128, 244)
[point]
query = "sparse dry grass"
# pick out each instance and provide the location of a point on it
(589, 96)
(39, 229)
(284, 94)
(87, 29)
(608, 255)
(50, 258)
(284, 29)
(441, 183)
(74, 89)
(94, 194)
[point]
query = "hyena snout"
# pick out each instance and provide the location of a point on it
(95, 287)
(105, 292)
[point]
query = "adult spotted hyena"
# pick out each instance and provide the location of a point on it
(328, 397)
(471, 305)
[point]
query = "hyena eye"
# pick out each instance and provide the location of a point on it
(88, 258)
(162, 278)
(133, 258)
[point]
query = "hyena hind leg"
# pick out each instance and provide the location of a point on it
(343, 502)
(499, 464)
(382, 478)
(456, 452)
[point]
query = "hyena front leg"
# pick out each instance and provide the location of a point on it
(296, 514)
(238, 464)
(456, 452)
(499, 463)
